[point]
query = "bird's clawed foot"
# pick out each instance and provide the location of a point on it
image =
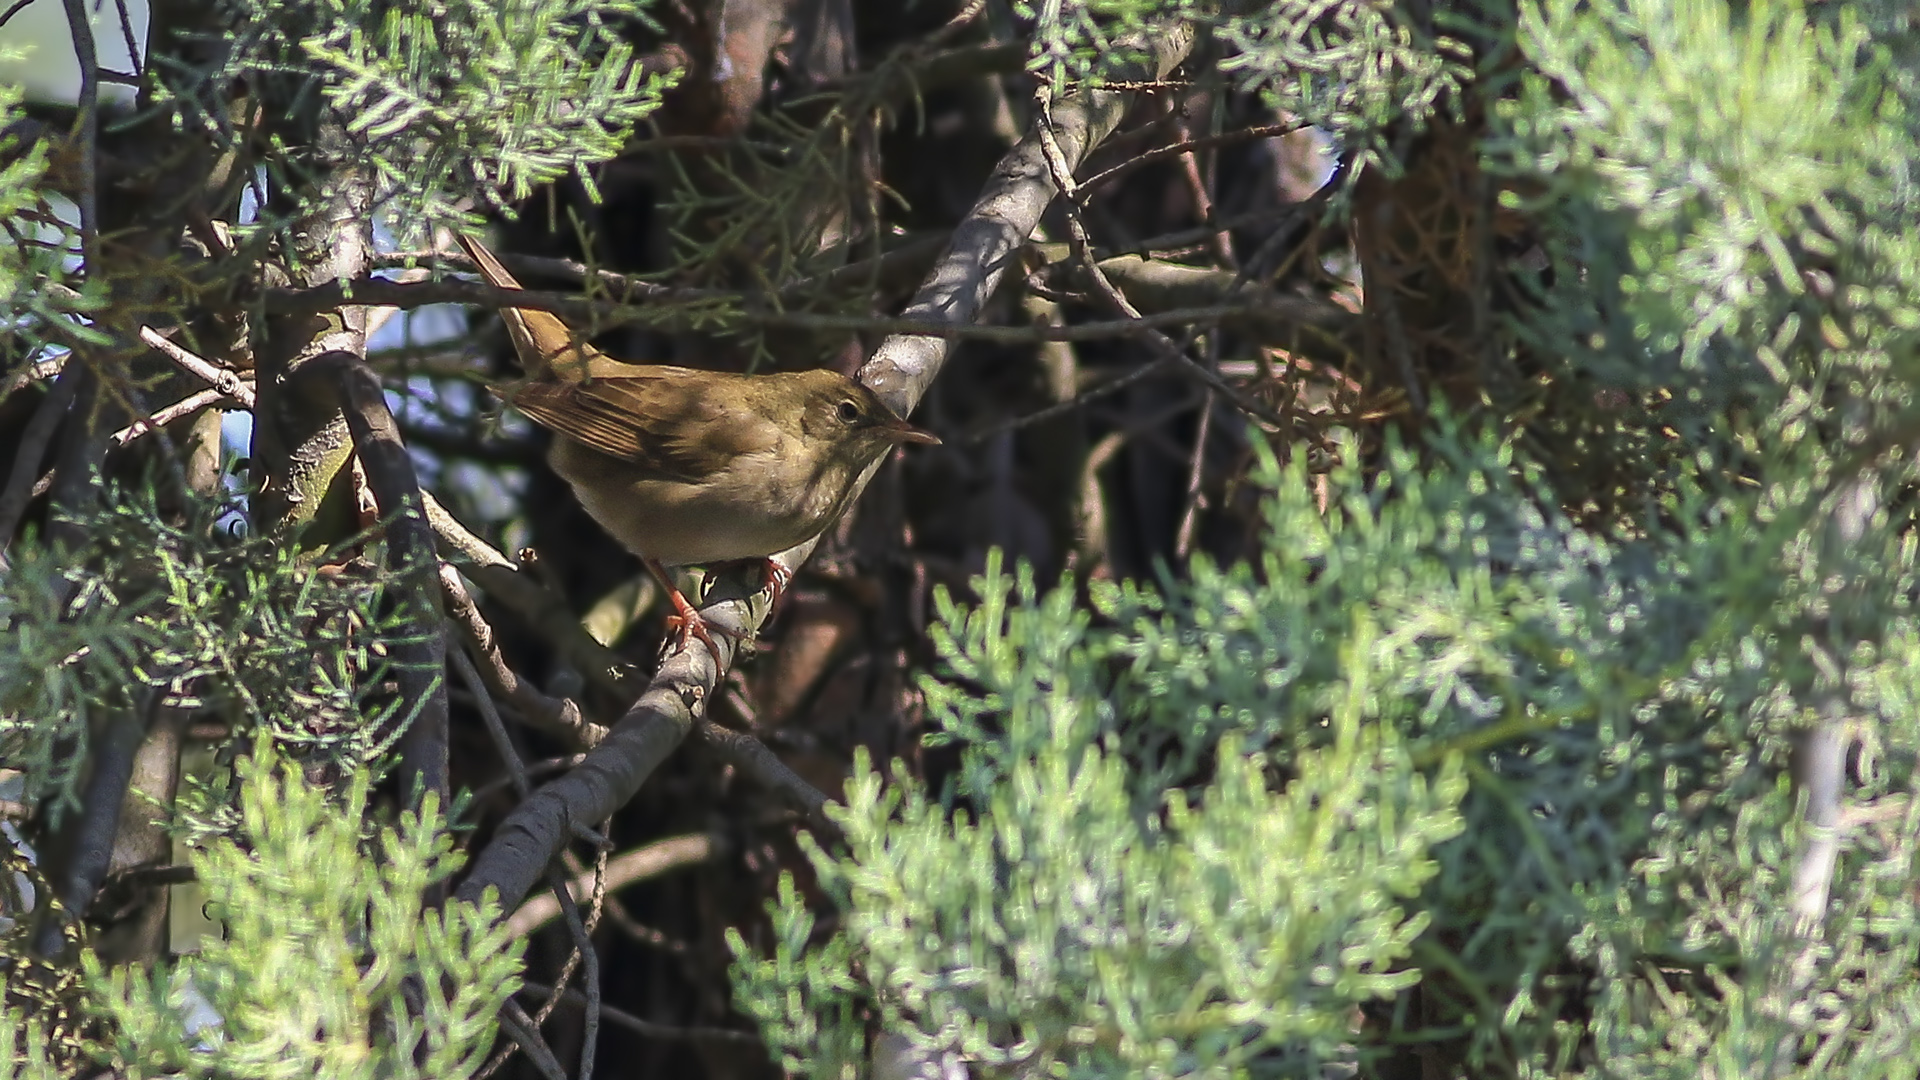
(685, 623)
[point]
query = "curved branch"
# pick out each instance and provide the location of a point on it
(420, 659)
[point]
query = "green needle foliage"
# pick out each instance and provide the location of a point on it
(1438, 735)
(495, 97)
(439, 102)
(175, 608)
(24, 1054)
(331, 964)
(1074, 930)
(1507, 761)
(1491, 760)
(36, 250)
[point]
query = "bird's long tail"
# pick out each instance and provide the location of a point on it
(546, 346)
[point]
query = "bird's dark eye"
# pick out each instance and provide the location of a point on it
(848, 412)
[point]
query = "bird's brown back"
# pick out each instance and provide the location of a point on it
(677, 423)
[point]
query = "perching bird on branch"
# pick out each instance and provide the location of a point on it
(686, 466)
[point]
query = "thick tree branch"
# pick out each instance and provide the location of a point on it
(83, 849)
(420, 657)
(550, 616)
(32, 449)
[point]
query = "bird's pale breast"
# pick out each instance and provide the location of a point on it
(761, 504)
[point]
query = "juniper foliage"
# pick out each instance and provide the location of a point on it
(188, 609)
(438, 103)
(1478, 759)
(1610, 701)
(35, 246)
(306, 892)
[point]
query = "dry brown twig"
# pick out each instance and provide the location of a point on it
(1172, 351)
(225, 380)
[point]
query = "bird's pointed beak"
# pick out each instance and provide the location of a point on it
(901, 431)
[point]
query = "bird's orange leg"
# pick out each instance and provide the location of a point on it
(685, 622)
(775, 577)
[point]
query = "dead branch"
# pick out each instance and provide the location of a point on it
(558, 715)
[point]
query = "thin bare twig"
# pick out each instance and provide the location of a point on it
(1381, 291)
(909, 255)
(559, 715)
(645, 935)
(604, 314)
(1190, 516)
(186, 406)
(960, 21)
(1246, 274)
(648, 1028)
(545, 611)
(525, 1033)
(1205, 142)
(1197, 188)
(583, 954)
(225, 380)
(1062, 173)
(1078, 401)
(29, 373)
(627, 868)
(133, 47)
(544, 767)
(496, 728)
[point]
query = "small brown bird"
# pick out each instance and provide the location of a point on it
(688, 466)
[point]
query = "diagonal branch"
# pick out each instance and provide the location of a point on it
(32, 447)
(549, 614)
(558, 715)
(420, 658)
(985, 245)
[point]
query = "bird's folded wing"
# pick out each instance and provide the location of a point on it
(661, 422)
